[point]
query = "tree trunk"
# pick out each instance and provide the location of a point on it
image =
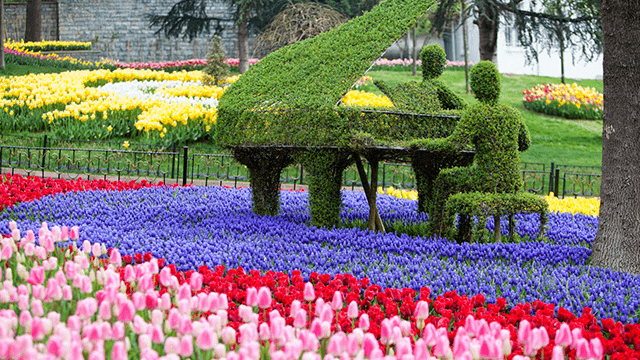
(2, 34)
(34, 21)
(488, 30)
(414, 54)
(243, 47)
(465, 44)
(617, 244)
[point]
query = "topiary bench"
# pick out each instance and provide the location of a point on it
(483, 205)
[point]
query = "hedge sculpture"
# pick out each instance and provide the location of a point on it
(498, 133)
(289, 101)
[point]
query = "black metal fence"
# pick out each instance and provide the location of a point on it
(210, 166)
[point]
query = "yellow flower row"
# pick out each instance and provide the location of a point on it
(31, 45)
(365, 99)
(159, 115)
(582, 205)
(192, 91)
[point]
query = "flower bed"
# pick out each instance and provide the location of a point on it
(568, 101)
(357, 264)
(27, 57)
(171, 66)
(161, 107)
(406, 64)
(141, 307)
(38, 46)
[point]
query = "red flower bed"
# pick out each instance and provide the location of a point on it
(449, 310)
(17, 189)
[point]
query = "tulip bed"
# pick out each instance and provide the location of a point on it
(488, 301)
(569, 101)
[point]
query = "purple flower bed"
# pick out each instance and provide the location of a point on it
(215, 226)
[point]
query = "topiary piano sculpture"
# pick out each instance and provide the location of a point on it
(287, 108)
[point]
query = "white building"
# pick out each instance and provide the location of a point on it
(511, 57)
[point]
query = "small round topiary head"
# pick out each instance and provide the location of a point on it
(485, 82)
(433, 61)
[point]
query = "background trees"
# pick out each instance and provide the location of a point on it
(188, 18)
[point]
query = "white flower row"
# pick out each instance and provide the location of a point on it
(144, 90)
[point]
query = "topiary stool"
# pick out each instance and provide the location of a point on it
(483, 205)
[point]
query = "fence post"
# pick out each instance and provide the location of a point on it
(184, 167)
(551, 174)
(173, 160)
(557, 183)
(44, 151)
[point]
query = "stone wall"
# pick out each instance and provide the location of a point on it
(120, 30)
(15, 20)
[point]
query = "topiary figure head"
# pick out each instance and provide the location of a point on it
(485, 82)
(433, 61)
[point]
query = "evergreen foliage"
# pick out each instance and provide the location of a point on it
(485, 82)
(434, 60)
(217, 68)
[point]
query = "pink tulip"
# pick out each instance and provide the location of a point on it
(119, 351)
(184, 293)
(264, 298)
(300, 321)
(75, 351)
(316, 328)
(597, 350)
(67, 293)
(115, 258)
(369, 343)
(422, 310)
(157, 336)
(117, 330)
(185, 326)
(558, 353)
(442, 346)
(295, 307)
(185, 348)
(31, 237)
(15, 234)
(86, 247)
(86, 308)
(54, 345)
(353, 344)
(309, 292)
(36, 275)
(171, 345)
(47, 242)
(524, 332)
(96, 251)
(292, 349)
(386, 333)
(214, 301)
(74, 233)
(29, 249)
(64, 233)
(36, 307)
(196, 281)
(364, 322)
(337, 344)
(352, 310)
(228, 336)
(207, 339)
(165, 302)
(37, 329)
(126, 311)
(277, 328)
(336, 302)
(7, 252)
(583, 352)
(86, 286)
(165, 276)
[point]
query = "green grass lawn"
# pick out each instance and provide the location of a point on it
(554, 139)
(567, 142)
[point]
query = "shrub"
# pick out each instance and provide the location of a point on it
(217, 68)
(485, 82)
(434, 60)
(568, 101)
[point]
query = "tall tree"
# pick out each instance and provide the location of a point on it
(617, 243)
(2, 34)
(34, 21)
